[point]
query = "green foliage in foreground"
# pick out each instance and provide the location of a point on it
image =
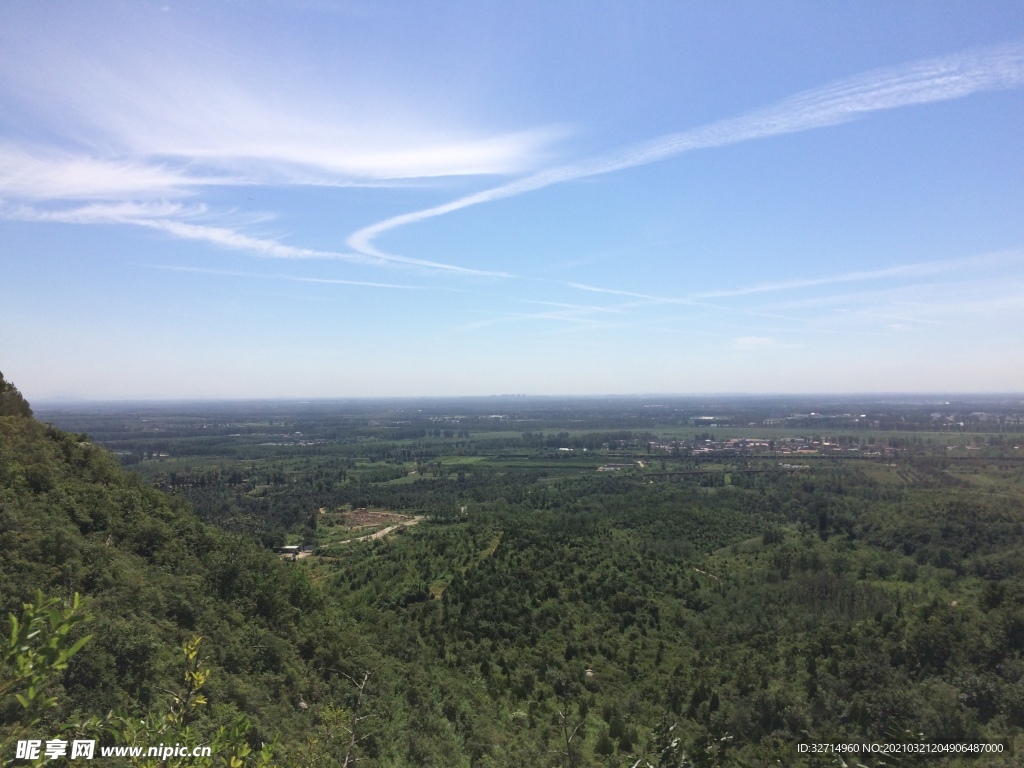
(72, 522)
(40, 647)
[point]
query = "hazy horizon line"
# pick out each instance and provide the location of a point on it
(45, 403)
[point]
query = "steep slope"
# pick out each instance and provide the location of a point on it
(154, 575)
(11, 401)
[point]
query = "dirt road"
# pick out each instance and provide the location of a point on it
(385, 531)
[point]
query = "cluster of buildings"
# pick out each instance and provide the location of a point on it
(752, 446)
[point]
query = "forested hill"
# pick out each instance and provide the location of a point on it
(154, 576)
(11, 401)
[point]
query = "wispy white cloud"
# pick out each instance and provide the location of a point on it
(51, 174)
(629, 294)
(100, 213)
(48, 173)
(289, 278)
(931, 302)
(154, 128)
(127, 103)
(911, 296)
(915, 270)
(271, 248)
(921, 82)
(997, 305)
(167, 217)
(162, 110)
(648, 300)
(586, 308)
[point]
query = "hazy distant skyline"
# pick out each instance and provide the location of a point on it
(271, 200)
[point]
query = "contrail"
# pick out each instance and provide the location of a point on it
(273, 249)
(918, 269)
(920, 82)
(158, 216)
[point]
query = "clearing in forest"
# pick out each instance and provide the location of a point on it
(343, 526)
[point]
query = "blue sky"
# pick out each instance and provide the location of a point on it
(319, 199)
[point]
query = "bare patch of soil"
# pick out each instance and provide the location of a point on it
(371, 518)
(397, 528)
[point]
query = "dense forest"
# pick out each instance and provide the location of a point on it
(601, 585)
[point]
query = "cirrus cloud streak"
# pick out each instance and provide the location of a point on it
(921, 82)
(168, 217)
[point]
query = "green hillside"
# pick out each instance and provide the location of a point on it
(154, 576)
